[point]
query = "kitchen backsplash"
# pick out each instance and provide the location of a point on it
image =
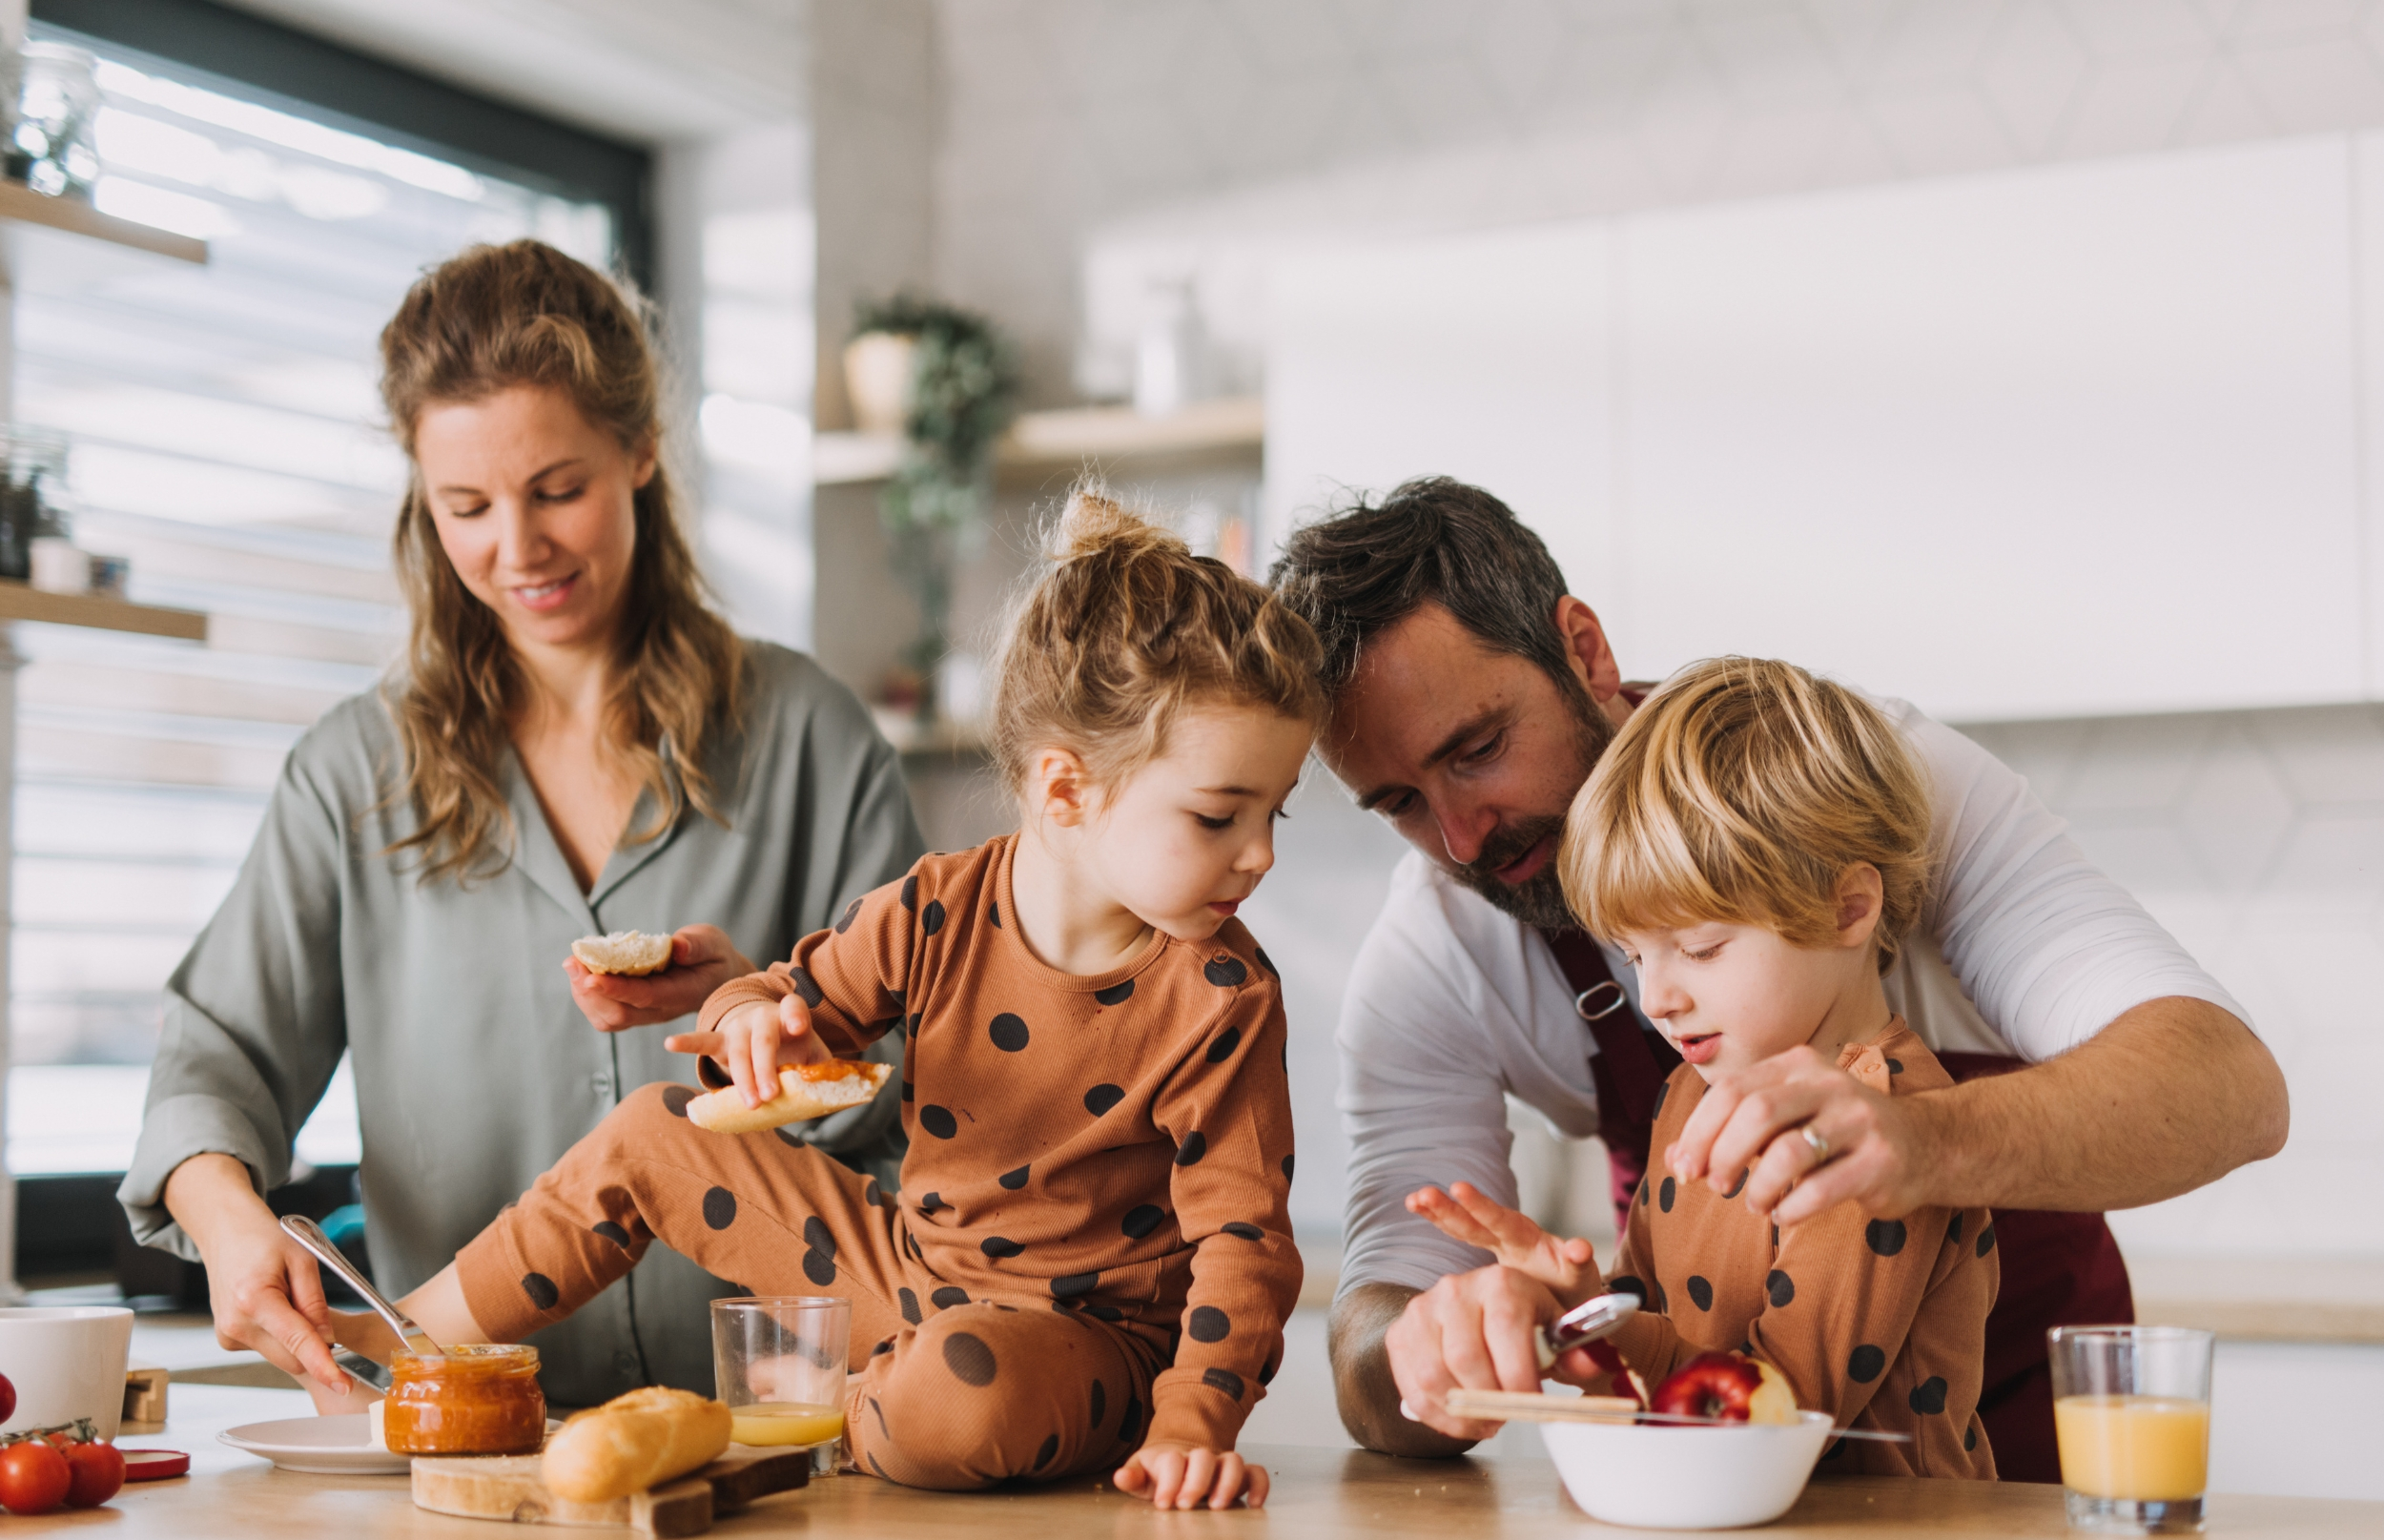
(2257, 838)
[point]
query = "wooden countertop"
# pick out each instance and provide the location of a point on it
(1318, 1492)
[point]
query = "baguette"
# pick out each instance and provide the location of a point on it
(634, 1442)
(632, 952)
(805, 1091)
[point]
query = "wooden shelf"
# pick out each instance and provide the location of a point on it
(19, 600)
(1114, 437)
(24, 205)
(2263, 1299)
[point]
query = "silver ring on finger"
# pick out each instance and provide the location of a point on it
(1817, 1143)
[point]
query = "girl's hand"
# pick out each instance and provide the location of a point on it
(1180, 1475)
(752, 1041)
(702, 960)
(1569, 1268)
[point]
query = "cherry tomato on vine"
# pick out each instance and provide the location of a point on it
(33, 1477)
(97, 1472)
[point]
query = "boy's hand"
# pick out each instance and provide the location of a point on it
(1180, 1475)
(1569, 1268)
(752, 1041)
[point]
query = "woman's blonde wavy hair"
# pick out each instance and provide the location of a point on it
(1740, 793)
(1126, 630)
(487, 320)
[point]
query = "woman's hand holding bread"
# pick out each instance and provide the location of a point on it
(702, 960)
(1183, 1475)
(752, 1041)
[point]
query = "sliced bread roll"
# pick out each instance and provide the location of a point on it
(623, 952)
(805, 1091)
(634, 1442)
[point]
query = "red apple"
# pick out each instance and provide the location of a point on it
(7, 1399)
(1730, 1386)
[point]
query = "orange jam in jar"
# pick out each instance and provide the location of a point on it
(480, 1398)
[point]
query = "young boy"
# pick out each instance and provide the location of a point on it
(1755, 842)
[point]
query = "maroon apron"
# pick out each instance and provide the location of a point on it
(2058, 1269)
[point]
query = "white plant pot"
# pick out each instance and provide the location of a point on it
(877, 370)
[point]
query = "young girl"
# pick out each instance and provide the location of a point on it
(1089, 1257)
(1755, 842)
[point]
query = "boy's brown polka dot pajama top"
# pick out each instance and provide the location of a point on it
(1091, 1247)
(1879, 1323)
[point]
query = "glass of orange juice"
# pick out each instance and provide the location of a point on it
(2131, 1411)
(778, 1363)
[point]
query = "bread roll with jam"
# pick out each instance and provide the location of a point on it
(805, 1091)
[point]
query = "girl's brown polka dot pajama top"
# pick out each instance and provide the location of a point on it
(1091, 1247)
(1879, 1323)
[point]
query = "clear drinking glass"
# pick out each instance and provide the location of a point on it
(2132, 1411)
(778, 1363)
(53, 147)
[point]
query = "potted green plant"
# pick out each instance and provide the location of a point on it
(962, 392)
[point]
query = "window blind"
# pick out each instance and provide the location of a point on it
(225, 436)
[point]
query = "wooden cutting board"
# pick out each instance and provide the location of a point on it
(508, 1487)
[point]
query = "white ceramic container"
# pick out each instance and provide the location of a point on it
(1648, 1476)
(66, 1361)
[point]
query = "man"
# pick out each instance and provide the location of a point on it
(1472, 696)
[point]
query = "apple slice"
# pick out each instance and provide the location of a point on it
(1729, 1388)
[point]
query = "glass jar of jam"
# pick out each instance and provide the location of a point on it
(480, 1398)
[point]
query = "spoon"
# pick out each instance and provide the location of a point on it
(310, 1235)
(1529, 1407)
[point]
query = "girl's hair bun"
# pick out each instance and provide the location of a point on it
(1125, 628)
(1096, 524)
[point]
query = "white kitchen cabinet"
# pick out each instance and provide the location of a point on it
(2367, 151)
(1486, 357)
(2061, 441)
(2067, 441)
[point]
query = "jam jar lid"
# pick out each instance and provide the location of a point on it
(467, 1358)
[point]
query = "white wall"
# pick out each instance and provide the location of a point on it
(2257, 839)
(1086, 145)
(2296, 1420)
(1178, 136)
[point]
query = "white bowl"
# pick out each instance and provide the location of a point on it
(1652, 1477)
(66, 1361)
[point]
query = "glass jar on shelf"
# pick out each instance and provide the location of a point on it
(53, 142)
(33, 482)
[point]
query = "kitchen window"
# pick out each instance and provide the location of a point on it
(225, 437)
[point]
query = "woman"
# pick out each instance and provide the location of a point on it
(574, 744)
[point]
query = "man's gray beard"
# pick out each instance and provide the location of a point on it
(1540, 903)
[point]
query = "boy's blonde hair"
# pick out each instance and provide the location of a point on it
(1740, 793)
(1126, 630)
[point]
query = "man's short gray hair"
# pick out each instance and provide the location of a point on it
(1364, 568)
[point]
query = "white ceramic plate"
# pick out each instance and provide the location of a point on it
(325, 1446)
